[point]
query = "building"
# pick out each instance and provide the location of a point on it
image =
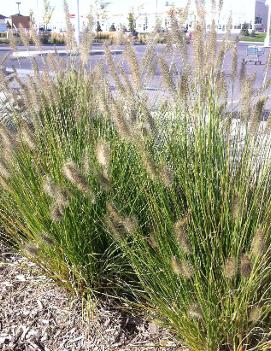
(18, 20)
(156, 12)
(3, 25)
(153, 13)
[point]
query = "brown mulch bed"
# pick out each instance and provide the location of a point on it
(36, 314)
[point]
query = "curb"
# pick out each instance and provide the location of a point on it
(26, 54)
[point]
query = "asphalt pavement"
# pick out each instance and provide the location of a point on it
(24, 65)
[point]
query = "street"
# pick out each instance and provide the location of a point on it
(154, 85)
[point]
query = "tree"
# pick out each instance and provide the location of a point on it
(131, 22)
(98, 27)
(244, 30)
(99, 9)
(48, 11)
(112, 28)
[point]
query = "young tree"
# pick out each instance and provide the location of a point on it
(98, 27)
(112, 28)
(244, 30)
(131, 22)
(48, 11)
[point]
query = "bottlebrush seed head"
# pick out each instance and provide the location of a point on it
(230, 267)
(103, 153)
(72, 173)
(180, 229)
(255, 314)
(57, 213)
(47, 239)
(194, 311)
(258, 245)
(245, 266)
(4, 170)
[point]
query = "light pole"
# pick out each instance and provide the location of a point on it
(18, 4)
(267, 38)
(77, 27)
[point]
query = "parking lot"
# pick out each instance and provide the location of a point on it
(154, 85)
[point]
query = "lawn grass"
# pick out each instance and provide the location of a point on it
(259, 37)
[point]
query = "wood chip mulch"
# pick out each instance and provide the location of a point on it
(36, 314)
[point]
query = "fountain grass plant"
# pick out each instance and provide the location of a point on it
(170, 205)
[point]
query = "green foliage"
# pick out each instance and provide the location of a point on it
(245, 29)
(59, 222)
(98, 27)
(48, 11)
(131, 22)
(168, 205)
(112, 28)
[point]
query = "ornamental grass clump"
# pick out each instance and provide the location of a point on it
(165, 202)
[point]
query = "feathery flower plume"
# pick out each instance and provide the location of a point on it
(257, 115)
(4, 184)
(35, 37)
(87, 39)
(166, 75)
(113, 70)
(212, 43)
(166, 176)
(86, 164)
(49, 187)
(180, 228)
(245, 266)
(130, 224)
(47, 239)
(32, 249)
(7, 140)
(246, 98)
(176, 266)
(103, 153)
(70, 40)
(4, 170)
(121, 225)
(120, 122)
(134, 66)
(234, 63)
(103, 180)
(187, 269)
(194, 311)
(152, 241)
(182, 268)
(130, 92)
(243, 72)
(23, 36)
(28, 137)
(62, 197)
(149, 59)
(72, 173)
(258, 245)
(148, 163)
(255, 314)
(235, 207)
(57, 213)
(230, 268)
(114, 222)
(12, 40)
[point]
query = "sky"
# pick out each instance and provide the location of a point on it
(117, 6)
(10, 7)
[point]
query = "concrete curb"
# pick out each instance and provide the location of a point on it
(251, 42)
(26, 54)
